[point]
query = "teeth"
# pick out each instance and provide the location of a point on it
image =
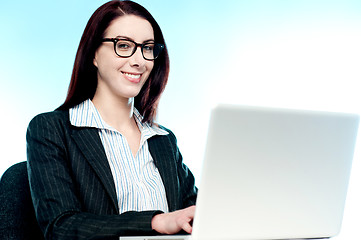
(132, 75)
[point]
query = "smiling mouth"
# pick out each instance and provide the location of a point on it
(132, 77)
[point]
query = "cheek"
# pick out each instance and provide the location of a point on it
(117, 63)
(150, 66)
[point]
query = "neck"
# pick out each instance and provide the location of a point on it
(118, 113)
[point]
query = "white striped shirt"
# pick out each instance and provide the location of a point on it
(138, 184)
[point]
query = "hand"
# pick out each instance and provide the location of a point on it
(173, 222)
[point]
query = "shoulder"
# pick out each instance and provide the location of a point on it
(54, 115)
(170, 133)
(50, 119)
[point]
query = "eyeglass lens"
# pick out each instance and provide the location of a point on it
(125, 48)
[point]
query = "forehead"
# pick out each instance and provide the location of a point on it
(130, 26)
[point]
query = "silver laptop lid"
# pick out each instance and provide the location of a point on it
(274, 173)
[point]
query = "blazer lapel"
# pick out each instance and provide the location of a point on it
(88, 141)
(164, 158)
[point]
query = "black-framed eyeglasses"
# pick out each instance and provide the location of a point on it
(126, 48)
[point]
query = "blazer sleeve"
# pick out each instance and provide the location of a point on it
(187, 189)
(56, 202)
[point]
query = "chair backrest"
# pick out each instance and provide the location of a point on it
(17, 216)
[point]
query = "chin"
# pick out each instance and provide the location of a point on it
(131, 94)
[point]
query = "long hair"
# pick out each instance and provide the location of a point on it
(84, 80)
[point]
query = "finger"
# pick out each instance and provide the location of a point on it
(187, 227)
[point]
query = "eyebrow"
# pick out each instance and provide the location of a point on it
(128, 38)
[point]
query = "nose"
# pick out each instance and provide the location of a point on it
(137, 59)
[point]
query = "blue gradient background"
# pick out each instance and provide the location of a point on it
(295, 54)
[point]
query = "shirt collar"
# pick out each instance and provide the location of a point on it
(146, 130)
(86, 115)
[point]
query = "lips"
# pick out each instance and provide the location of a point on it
(132, 77)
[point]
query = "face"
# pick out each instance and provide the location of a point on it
(123, 77)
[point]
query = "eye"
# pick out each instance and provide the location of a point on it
(123, 45)
(148, 47)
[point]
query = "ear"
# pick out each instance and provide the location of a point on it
(95, 62)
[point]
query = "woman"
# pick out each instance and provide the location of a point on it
(99, 167)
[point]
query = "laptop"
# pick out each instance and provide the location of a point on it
(271, 173)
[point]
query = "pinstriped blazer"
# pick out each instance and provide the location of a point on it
(72, 187)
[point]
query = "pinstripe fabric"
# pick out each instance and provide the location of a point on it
(72, 187)
(138, 184)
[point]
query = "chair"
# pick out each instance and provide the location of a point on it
(17, 216)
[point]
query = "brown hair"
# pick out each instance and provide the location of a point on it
(83, 82)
